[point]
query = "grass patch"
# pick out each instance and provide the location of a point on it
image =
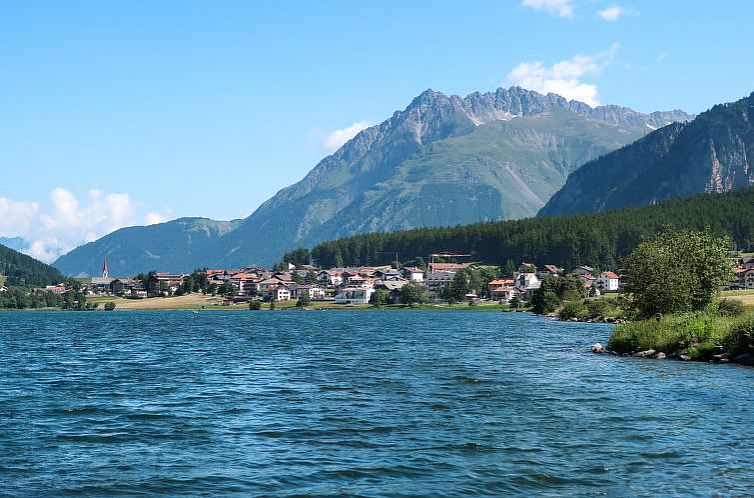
(698, 335)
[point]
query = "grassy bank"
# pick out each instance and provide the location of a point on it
(697, 336)
(201, 302)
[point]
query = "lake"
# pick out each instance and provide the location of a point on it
(357, 403)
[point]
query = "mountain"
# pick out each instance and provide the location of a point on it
(709, 154)
(22, 270)
(179, 245)
(444, 160)
(16, 243)
(600, 240)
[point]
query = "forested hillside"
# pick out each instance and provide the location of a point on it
(600, 240)
(22, 270)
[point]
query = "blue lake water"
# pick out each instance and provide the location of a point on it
(357, 403)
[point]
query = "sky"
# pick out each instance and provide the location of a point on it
(124, 113)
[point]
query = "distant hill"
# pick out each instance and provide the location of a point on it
(709, 154)
(22, 270)
(599, 240)
(179, 245)
(443, 160)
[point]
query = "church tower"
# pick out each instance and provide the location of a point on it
(104, 269)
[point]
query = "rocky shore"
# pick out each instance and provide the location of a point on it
(741, 359)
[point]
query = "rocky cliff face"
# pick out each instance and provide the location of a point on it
(710, 154)
(443, 160)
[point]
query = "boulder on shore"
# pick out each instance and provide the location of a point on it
(644, 354)
(598, 348)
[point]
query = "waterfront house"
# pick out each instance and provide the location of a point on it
(526, 284)
(608, 282)
(501, 289)
(280, 292)
(354, 295)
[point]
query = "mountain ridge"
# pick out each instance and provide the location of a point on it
(443, 160)
(708, 154)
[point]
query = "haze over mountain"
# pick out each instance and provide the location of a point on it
(709, 154)
(444, 160)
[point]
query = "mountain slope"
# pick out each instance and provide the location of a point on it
(710, 154)
(22, 270)
(179, 245)
(443, 160)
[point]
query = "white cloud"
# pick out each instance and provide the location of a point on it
(66, 222)
(561, 8)
(564, 77)
(154, 218)
(610, 14)
(334, 140)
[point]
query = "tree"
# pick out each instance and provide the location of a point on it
(109, 306)
(298, 257)
(379, 297)
(255, 305)
(410, 294)
(461, 286)
(297, 278)
(304, 299)
(311, 277)
(678, 271)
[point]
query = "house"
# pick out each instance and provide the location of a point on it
(55, 289)
(583, 270)
(3, 288)
(388, 274)
(330, 278)
(414, 274)
(245, 282)
(266, 284)
(747, 263)
(746, 278)
(453, 267)
(316, 292)
(548, 271)
(526, 284)
(280, 292)
(501, 289)
(437, 280)
(354, 295)
(121, 286)
(163, 282)
(608, 282)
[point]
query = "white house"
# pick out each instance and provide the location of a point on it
(608, 282)
(526, 284)
(278, 293)
(414, 274)
(330, 277)
(354, 295)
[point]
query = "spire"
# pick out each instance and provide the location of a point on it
(104, 269)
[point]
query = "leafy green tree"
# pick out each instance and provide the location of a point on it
(297, 278)
(311, 277)
(109, 306)
(379, 297)
(461, 285)
(678, 271)
(304, 299)
(255, 305)
(410, 294)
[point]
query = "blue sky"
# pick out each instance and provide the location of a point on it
(118, 113)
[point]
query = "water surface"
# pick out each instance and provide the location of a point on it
(360, 403)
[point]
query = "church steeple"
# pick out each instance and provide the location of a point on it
(104, 269)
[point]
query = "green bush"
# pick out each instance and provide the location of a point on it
(255, 305)
(740, 338)
(574, 309)
(109, 306)
(730, 307)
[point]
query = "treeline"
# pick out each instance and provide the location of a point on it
(600, 240)
(24, 271)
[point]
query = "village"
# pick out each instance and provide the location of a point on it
(351, 286)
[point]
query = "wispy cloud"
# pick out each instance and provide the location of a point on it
(610, 14)
(615, 12)
(67, 222)
(335, 139)
(560, 8)
(565, 77)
